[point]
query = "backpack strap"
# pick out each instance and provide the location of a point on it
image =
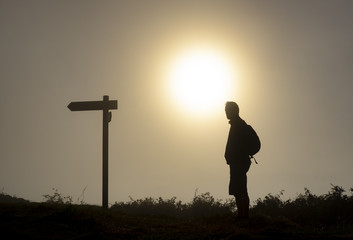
(252, 157)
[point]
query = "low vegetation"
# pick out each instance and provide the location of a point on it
(308, 216)
(329, 210)
(201, 205)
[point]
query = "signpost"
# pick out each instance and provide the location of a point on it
(104, 105)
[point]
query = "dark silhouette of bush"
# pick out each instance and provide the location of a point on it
(201, 205)
(5, 198)
(57, 198)
(205, 205)
(150, 206)
(333, 208)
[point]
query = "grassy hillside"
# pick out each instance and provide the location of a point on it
(329, 216)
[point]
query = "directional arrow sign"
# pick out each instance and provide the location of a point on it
(93, 105)
(104, 105)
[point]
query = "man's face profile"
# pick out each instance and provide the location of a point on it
(228, 113)
(231, 110)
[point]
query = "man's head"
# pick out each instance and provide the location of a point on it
(232, 110)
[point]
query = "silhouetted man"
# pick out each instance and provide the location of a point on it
(238, 159)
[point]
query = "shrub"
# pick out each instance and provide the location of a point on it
(333, 208)
(150, 206)
(5, 198)
(201, 205)
(57, 198)
(205, 204)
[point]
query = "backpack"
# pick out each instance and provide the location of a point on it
(252, 142)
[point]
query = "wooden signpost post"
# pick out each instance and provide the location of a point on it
(104, 105)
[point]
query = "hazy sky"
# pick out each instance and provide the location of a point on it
(295, 65)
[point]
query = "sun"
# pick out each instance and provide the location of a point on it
(201, 80)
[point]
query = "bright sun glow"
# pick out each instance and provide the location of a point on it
(201, 80)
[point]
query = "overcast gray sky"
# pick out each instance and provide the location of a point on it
(295, 89)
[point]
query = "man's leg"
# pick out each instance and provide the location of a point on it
(238, 188)
(242, 197)
(243, 204)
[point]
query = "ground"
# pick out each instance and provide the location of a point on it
(26, 220)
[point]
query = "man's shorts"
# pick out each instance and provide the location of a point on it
(238, 179)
